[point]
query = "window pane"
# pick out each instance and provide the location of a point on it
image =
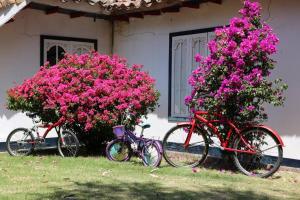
(211, 36)
(180, 74)
(51, 55)
(183, 78)
(55, 54)
(184, 49)
(82, 47)
(81, 50)
(199, 46)
(55, 48)
(60, 53)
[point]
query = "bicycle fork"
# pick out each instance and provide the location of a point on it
(188, 139)
(149, 143)
(24, 138)
(60, 136)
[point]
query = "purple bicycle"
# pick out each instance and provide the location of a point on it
(128, 144)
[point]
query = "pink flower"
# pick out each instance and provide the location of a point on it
(250, 108)
(198, 58)
(75, 99)
(194, 170)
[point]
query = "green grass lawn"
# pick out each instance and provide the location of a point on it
(53, 177)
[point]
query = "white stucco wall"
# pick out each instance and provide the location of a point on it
(146, 41)
(20, 51)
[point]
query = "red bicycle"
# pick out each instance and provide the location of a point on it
(256, 149)
(22, 141)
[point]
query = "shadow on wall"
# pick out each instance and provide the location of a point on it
(10, 77)
(162, 110)
(6, 81)
(7, 78)
(10, 120)
(8, 114)
(15, 120)
(142, 191)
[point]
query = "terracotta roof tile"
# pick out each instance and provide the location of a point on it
(111, 5)
(127, 4)
(4, 3)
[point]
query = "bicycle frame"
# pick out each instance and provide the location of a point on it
(138, 140)
(198, 115)
(132, 138)
(48, 127)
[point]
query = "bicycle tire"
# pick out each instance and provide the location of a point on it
(113, 150)
(20, 143)
(71, 146)
(257, 161)
(147, 155)
(179, 152)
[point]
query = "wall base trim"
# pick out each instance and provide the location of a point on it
(51, 143)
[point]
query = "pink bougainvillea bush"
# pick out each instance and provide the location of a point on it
(90, 90)
(234, 78)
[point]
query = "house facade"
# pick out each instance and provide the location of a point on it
(162, 35)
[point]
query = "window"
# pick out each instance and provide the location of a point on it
(183, 48)
(53, 48)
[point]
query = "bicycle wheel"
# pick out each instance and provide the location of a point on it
(179, 156)
(118, 150)
(20, 142)
(268, 158)
(68, 144)
(151, 154)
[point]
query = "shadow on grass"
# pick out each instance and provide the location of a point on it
(210, 162)
(143, 191)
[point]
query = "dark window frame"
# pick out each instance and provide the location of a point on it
(63, 38)
(171, 36)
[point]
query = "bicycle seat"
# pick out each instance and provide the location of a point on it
(146, 126)
(31, 115)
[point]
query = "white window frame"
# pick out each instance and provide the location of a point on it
(178, 111)
(69, 44)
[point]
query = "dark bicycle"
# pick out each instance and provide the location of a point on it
(128, 144)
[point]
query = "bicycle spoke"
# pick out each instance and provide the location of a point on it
(195, 144)
(177, 155)
(19, 142)
(151, 155)
(259, 164)
(68, 144)
(270, 148)
(117, 150)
